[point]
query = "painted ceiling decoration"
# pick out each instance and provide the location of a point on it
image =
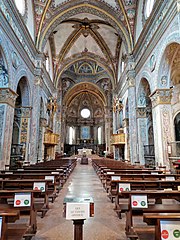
(82, 30)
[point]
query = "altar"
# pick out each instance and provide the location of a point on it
(86, 151)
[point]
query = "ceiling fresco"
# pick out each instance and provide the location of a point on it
(79, 29)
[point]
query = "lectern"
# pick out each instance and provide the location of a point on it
(78, 209)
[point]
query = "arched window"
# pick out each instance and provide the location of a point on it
(99, 135)
(71, 135)
(148, 7)
(21, 6)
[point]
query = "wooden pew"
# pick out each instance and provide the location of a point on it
(9, 216)
(137, 176)
(140, 185)
(41, 201)
(53, 189)
(175, 208)
(156, 218)
(6, 203)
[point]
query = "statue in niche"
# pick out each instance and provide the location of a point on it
(142, 100)
(4, 78)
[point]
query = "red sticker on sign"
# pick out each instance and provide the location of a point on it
(36, 188)
(121, 189)
(164, 234)
(135, 203)
(18, 202)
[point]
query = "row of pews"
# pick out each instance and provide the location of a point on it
(25, 195)
(148, 199)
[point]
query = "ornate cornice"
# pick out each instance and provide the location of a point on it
(161, 96)
(8, 96)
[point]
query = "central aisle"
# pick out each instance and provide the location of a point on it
(105, 225)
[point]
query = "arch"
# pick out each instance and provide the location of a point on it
(169, 38)
(99, 9)
(143, 92)
(24, 89)
(84, 87)
(89, 56)
(23, 74)
(166, 72)
(177, 126)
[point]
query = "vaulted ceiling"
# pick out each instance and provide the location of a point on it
(82, 29)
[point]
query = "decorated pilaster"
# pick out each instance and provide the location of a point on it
(142, 132)
(25, 114)
(126, 132)
(132, 111)
(35, 120)
(108, 130)
(7, 103)
(162, 120)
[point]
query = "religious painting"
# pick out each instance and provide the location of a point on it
(85, 132)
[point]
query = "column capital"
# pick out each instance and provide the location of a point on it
(161, 96)
(23, 112)
(141, 112)
(8, 96)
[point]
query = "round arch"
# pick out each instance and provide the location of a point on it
(84, 87)
(99, 9)
(88, 56)
(24, 89)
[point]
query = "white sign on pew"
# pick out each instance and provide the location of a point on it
(110, 173)
(154, 173)
(1, 219)
(139, 201)
(39, 186)
(8, 172)
(49, 178)
(170, 230)
(22, 200)
(170, 178)
(115, 178)
(124, 187)
(77, 211)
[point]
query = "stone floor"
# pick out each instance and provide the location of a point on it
(105, 225)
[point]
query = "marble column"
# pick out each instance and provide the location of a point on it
(132, 117)
(7, 104)
(162, 124)
(142, 132)
(126, 131)
(108, 130)
(35, 121)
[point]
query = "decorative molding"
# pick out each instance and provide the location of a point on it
(161, 96)
(8, 96)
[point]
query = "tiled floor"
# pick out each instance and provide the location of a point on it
(104, 226)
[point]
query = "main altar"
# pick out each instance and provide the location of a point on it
(84, 151)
